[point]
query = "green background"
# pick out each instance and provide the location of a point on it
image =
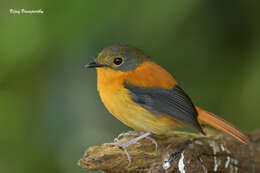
(50, 111)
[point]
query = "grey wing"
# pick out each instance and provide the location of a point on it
(174, 102)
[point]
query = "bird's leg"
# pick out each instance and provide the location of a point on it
(134, 133)
(132, 141)
(141, 136)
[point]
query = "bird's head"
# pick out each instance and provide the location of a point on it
(119, 57)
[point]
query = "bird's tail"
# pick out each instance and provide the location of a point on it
(220, 124)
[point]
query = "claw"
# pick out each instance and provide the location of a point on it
(153, 141)
(128, 156)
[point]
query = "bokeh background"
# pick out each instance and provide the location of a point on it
(50, 111)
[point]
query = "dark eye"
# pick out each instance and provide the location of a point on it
(118, 61)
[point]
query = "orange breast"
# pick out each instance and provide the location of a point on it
(118, 101)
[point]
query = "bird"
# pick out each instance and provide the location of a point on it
(144, 96)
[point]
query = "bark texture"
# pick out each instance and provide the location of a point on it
(180, 152)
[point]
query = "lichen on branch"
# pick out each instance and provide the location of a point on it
(180, 152)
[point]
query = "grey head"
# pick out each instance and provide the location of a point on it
(120, 57)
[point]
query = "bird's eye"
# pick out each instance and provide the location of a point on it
(118, 61)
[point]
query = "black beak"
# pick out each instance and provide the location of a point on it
(93, 65)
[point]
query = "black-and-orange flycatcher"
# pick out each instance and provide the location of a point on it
(147, 98)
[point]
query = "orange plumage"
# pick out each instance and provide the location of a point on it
(116, 98)
(145, 97)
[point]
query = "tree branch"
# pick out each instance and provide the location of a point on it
(181, 152)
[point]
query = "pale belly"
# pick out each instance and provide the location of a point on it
(127, 111)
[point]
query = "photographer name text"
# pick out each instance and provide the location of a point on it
(24, 11)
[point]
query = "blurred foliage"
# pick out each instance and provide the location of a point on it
(50, 111)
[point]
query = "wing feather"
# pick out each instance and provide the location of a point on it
(173, 102)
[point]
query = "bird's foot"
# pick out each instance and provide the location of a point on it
(132, 141)
(134, 133)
